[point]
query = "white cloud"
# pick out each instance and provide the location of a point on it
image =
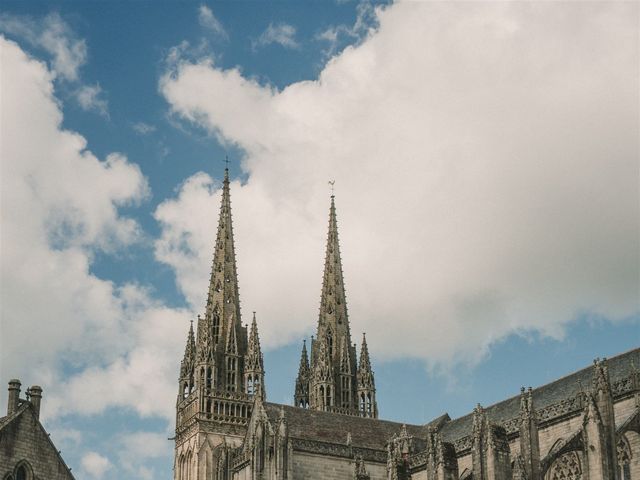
(53, 35)
(486, 166)
(209, 21)
(95, 465)
(89, 99)
(282, 33)
(143, 128)
(59, 207)
(365, 24)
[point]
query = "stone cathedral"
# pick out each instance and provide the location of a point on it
(583, 426)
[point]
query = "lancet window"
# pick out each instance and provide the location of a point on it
(624, 459)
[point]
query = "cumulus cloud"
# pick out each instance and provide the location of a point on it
(486, 165)
(209, 21)
(282, 34)
(53, 35)
(95, 465)
(60, 206)
(139, 447)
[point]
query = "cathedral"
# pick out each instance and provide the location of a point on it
(583, 426)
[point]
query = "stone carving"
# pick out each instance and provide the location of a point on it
(566, 467)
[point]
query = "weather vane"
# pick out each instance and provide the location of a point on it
(226, 161)
(332, 183)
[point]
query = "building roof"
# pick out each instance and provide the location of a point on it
(6, 420)
(619, 367)
(306, 424)
(313, 425)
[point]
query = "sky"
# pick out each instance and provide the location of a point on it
(486, 167)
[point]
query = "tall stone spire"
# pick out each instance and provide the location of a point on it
(333, 321)
(367, 405)
(223, 302)
(332, 383)
(222, 340)
(213, 401)
(254, 364)
(301, 396)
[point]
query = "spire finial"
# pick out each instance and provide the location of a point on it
(226, 168)
(332, 183)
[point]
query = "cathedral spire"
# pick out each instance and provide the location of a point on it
(333, 382)
(365, 361)
(222, 299)
(301, 395)
(367, 404)
(254, 364)
(333, 321)
(187, 365)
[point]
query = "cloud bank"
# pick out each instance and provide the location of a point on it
(91, 343)
(486, 165)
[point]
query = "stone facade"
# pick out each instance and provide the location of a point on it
(26, 451)
(584, 426)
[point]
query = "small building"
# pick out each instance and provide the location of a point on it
(26, 450)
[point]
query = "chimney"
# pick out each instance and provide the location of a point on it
(14, 396)
(35, 396)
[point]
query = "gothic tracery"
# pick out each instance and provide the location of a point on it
(566, 467)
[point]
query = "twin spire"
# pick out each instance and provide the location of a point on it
(223, 357)
(333, 380)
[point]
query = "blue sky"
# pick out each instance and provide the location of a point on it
(486, 165)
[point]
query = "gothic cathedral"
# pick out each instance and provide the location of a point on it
(226, 429)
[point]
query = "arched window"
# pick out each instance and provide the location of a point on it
(23, 471)
(624, 459)
(566, 467)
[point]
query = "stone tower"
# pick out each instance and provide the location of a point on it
(333, 381)
(222, 367)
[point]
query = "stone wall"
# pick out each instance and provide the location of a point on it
(307, 466)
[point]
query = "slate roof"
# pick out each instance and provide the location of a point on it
(329, 427)
(6, 420)
(619, 367)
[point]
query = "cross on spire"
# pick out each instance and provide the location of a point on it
(332, 183)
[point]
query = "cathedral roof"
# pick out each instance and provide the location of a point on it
(620, 366)
(313, 425)
(319, 426)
